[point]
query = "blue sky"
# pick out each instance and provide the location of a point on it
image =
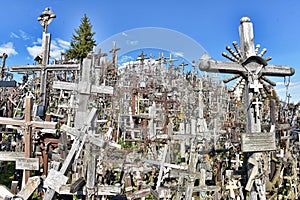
(213, 24)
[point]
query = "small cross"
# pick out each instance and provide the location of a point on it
(256, 85)
(231, 187)
(257, 103)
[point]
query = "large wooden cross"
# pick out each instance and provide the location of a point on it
(44, 69)
(83, 119)
(28, 124)
(250, 67)
(84, 88)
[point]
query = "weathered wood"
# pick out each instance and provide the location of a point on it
(5, 193)
(55, 180)
(258, 142)
(234, 68)
(30, 187)
(11, 156)
(14, 187)
(77, 185)
(139, 194)
(27, 163)
(174, 166)
(253, 174)
(54, 67)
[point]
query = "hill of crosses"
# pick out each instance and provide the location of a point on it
(154, 128)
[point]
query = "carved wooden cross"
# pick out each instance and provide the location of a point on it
(44, 69)
(249, 66)
(27, 123)
(84, 88)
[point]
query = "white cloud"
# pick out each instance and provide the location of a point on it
(293, 90)
(8, 48)
(132, 42)
(13, 35)
(63, 44)
(125, 58)
(179, 54)
(24, 35)
(56, 48)
(21, 34)
(124, 34)
(34, 51)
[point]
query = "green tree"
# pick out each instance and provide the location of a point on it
(82, 41)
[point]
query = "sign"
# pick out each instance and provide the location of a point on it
(256, 142)
(55, 180)
(27, 163)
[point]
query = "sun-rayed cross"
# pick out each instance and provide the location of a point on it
(247, 62)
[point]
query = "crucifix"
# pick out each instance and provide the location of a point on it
(45, 19)
(182, 65)
(28, 124)
(114, 57)
(249, 66)
(142, 58)
(10, 83)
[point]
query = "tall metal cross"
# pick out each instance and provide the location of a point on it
(251, 69)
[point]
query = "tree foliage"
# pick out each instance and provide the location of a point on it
(82, 40)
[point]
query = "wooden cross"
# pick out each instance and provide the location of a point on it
(114, 57)
(256, 86)
(44, 69)
(83, 120)
(231, 187)
(142, 57)
(28, 124)
(249, 66)
(183, 64)
(85, 88)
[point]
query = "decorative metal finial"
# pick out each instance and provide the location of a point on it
(46, 18)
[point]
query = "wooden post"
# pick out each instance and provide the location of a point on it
(27, 133)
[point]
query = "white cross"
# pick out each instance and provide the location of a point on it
(256, 85)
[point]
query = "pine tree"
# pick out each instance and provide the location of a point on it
(82, 41)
